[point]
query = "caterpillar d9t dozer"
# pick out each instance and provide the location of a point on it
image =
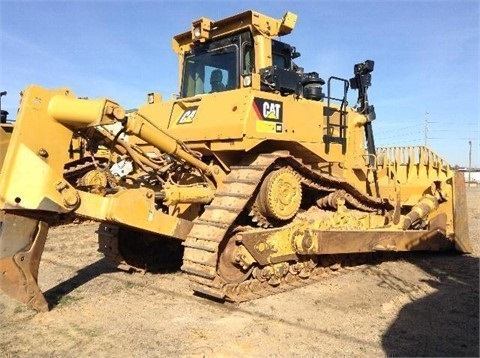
(266, 178)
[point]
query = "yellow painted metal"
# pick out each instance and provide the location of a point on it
(248, 20)
(340, 234)
(201, 29)
(28, 145)
(280, 195)
(79, 113)
(235, 123)
(411, 167)
(138, 125)
(43, 112)
(424, 206)
(94, 178)
(195, 193)
(134, 208)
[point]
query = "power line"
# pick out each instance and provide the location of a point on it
(399, 129)
(396, 135)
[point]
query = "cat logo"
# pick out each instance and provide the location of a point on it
(188, 116)
(269, 115)
(271, 110)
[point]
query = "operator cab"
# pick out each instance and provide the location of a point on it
(220, 65)
(223, 56)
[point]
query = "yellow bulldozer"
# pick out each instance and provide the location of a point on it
(265, 177)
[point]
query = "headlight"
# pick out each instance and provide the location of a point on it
(197, 32)
(150, 98)
(200, 30)
(247, 81)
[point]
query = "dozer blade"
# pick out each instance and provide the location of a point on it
(22, 241)
(462, 236)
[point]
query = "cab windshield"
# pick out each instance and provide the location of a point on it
(210, 68)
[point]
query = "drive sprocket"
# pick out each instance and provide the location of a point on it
(279, 197)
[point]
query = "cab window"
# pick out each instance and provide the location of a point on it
(213, 70)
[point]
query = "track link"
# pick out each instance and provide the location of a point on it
(253, 289)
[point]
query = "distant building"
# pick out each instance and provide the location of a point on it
(473, 176)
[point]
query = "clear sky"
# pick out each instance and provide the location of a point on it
(426, 56)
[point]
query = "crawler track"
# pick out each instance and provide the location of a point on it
(253, 289)
(203, 244)
(233, 201)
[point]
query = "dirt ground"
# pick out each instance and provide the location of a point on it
(413, 305)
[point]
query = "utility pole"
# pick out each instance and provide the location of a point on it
(426, 129)
(469, 162)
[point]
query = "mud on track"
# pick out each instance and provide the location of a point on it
(411, 305)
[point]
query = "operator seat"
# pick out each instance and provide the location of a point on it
(216, 81)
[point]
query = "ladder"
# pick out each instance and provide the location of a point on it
(328, 111)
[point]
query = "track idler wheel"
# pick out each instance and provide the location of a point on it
(280, 195)
(22, 241)
(230, 263)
